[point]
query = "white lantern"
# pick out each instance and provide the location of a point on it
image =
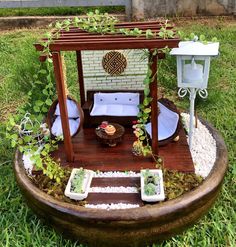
(193, 66)
(193, 63)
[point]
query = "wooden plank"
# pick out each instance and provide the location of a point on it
(89, 153)
(73, 39)
(80, 77)
(108, 45)
(58, 71)
(116, 182)
(108, 198)
(100, 39)
(78, 31)
(153, 93)
(176, 155)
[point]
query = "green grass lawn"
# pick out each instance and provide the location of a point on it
(18, 63)
(58, 11)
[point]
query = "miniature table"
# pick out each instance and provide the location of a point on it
(110, 140)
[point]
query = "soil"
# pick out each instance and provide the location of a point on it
(175, 183)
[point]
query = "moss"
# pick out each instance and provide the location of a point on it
(54, 189)
(177, 183)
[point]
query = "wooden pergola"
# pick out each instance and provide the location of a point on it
(78, 40)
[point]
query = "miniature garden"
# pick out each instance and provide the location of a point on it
(98, 164)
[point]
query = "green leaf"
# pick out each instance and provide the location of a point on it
(44, 109)
(48, 102)
(147, 110)
(38, 82)
(142, 138)
(14, 137)
(27, 138)
(58, 25)
(36, 109)
(45, 92)
(202, 37)
(192, 36)
(43, 71)
(13, 143)
(149, 72)
(147, 80)
(146, 91)
(48, 35)
(149, 34)
(214, 39)
(12, 121)
(146, 102)
(161, 34)
(39, 103)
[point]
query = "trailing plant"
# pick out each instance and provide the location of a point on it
(43, 92)
(103, 23)
(141, 146)
(33, 138)
(49, 166)
(28, 134)
(193, 37)
(26, 131)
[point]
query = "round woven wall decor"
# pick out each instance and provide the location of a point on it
(114, 63)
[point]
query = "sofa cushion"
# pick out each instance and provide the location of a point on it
(167, 123)
(72, 108)
(115, 104)
(57, 127)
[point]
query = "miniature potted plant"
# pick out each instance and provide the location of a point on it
(152, 189)
(79, 183)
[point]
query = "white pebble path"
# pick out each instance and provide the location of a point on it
(116, 174)
(203, 149)
(108, 189)
(112, 206)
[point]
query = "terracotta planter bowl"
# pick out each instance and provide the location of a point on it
(132, 227)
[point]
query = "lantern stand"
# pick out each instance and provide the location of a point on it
(193, 67)
(192, 96)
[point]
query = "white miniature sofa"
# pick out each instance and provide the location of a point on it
(74, 119)
(115, 104)
(168, 121)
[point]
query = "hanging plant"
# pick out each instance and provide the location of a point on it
(103, 23)
(141, 146)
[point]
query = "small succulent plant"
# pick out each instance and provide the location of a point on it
(77, 181)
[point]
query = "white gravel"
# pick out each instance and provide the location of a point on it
(108, 189)
(112, 206)
(203, 148)
(116, 174)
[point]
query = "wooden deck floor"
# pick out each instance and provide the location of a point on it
(91, 154)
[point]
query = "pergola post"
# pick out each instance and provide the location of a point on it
(58, 71)
(80, 77)
(153, 92)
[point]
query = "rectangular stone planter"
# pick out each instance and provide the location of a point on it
(159, 187)
(85, 186)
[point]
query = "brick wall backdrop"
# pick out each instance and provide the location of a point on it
(95, 77)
